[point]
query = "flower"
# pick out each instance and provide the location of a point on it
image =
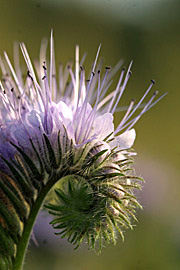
(62, 127)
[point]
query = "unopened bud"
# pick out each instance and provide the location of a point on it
(97, 149)
(111, 168)
(116, 192)
(118, 157)
(113, 210)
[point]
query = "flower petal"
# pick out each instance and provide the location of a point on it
(125, 140)
(64, 111)
(103, 126)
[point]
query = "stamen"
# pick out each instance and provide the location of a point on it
(77, 77)
(136, 107)
(106, 99)
(93, 70)
(143, 111)
(51, 60)
(72, 77)
(61, 78)
(52, 75)
(121, 92)
(116, 91)
(13, 72)
(128, 111)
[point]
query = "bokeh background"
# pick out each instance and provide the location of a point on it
(149, 33)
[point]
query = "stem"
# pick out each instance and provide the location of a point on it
(23, 243)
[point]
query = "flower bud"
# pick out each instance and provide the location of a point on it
(98, 153)
(118, 156)
(117, 191)
(113, 210)
(111, 169)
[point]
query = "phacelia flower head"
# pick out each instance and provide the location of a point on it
(56, 124)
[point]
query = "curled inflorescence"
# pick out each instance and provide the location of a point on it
(61, 127)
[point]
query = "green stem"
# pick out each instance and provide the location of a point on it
(23, 243)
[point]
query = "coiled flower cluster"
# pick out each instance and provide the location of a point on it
(58, 143)
(97, 200)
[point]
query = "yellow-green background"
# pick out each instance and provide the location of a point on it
(149, 33)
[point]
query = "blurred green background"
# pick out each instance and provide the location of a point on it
(149, 33)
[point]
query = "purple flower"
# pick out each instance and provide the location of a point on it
(56, 124)
(46, 103)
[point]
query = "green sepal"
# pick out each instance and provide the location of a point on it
(16, 201)
(91, 160)
(11, 219)
(65, 140)
(5, 263)
(38, 156)
(21, 181)
(7, 247)
(59, 148)
(52, 158)
(30, 164)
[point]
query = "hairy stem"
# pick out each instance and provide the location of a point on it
(23, 243)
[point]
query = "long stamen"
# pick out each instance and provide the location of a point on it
(128, 110)
(136, 107)
(52, 75)
(121, 92)
(84, 106)
(143, 111)
(13, 72)
(77, 78)
(116, 91)
(51, 62)
(93, 70)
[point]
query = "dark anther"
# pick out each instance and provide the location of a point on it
(99, 71)
(18, 97)
(153, 81)
(130, 72)
(81, 68)
(4, 92)
(133, 100)
(43, 77)
(68, 66)
(44, 65)
(4, 80)
(12, 89)
(87, 80)
(123, 69)
(23, 108)
(107, 67)
(29, 75)
(93, 73)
